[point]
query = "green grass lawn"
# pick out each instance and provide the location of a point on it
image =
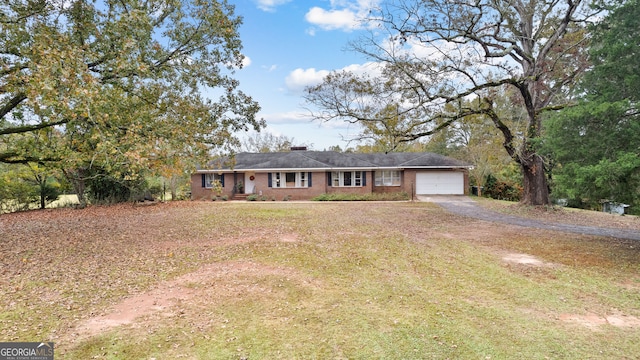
(290, 280)
(63, 201)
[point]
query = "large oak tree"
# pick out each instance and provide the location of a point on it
(444, 60)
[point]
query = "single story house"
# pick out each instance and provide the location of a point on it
(302, 174)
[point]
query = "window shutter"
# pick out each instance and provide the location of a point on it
(309, 179)
(204, 181)
(222, 180)
(269, 180)
(364, 178)
(328, 178)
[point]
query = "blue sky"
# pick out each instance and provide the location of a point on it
(292, 44)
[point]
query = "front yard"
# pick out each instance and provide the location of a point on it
(293, 280)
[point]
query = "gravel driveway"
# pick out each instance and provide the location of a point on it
(465, 206)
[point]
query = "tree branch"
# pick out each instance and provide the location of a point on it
(11, 104)
(488, 110)
(28, 128)
(13, 157)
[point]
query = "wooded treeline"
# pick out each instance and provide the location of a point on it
(102, 94)
(105, 98)
(554, 83)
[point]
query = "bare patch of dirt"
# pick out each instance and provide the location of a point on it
(523, 259)
(529, 265)
(168, 294)
(290, 238)
(631, 284)
(526, 260)
(595, 321)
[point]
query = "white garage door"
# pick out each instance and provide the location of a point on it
(440, 183)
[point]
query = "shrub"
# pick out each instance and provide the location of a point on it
(103, 188)
(16, 196)
(27, 187)
(396, 196)
(502, 190)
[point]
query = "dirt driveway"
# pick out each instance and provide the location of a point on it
(465, 206)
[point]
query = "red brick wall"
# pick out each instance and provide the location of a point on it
(261, 187)
(366, 189)
(200, 193)
(319, 186)
(391, 189)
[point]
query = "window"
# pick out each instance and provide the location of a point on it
(290, 179)
(347, 178)
(208, 179)
(387, 178)
(277, 180)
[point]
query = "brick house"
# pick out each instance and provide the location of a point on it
(301, 174)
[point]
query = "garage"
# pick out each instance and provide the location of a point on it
(440, 183)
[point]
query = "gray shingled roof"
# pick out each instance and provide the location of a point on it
(324, 160)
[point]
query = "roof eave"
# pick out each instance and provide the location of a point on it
(238, 170)
(440, 167)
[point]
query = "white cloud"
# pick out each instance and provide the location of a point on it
(246, 61)
(370, 68)
(299, 78)
(270, 68)
(299, 123)
(300, 117)
(270, 5)
(343, 15)
(333, 19)
(289, 117)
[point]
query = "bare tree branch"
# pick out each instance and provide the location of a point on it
(438, 54)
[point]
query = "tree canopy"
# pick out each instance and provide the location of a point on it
(442, 61)
(596, 144)
(268, 142)
(119, 83)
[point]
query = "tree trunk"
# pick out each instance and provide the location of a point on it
(78, 187)
(173, 185)
(536, 189)
(42, 186)
(76, 178)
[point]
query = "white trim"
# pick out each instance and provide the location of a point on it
(280, 178)
(391, 178)
(229, 171)
(355, 177)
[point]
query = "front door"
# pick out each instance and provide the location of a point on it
(249, 183)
